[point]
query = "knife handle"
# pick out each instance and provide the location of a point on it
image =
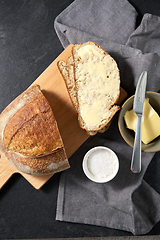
(136, 156)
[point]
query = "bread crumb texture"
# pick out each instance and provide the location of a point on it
(98, 85)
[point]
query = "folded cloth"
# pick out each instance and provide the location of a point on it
(97, 18)
(127, 202)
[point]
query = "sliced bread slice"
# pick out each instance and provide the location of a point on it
(97, 82)
(66, 70)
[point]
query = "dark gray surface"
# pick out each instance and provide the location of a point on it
(154, 237)
(28, 44)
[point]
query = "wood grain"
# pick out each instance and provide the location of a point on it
(54, 89)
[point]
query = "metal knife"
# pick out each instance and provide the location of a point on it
(138, 109)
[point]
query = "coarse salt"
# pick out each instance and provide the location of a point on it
(100, 164)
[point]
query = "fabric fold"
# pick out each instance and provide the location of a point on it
(97, 18)
(146, 36)
(127, 202)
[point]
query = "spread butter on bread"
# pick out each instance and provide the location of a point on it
(96, 85)
(29, 135)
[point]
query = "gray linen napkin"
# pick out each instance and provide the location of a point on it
(127, 202)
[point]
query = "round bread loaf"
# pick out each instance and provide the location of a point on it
(29, 135)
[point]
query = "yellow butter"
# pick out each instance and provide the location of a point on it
(150, 122)
(91, 115)
(101, 71)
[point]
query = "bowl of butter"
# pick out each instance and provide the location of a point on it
(150, 122)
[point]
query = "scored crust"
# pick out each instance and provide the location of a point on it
(29, 135)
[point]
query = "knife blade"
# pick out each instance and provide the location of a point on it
(138, 109)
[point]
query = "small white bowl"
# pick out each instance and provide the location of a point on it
(100, 164)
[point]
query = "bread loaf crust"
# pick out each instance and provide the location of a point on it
(38, 166)
(35, 117)
(29, 135)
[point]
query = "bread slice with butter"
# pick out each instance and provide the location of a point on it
(97, 82)
(29, 135)
(67, 71)
(95, 87)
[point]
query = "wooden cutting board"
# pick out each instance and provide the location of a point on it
(54, 89)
